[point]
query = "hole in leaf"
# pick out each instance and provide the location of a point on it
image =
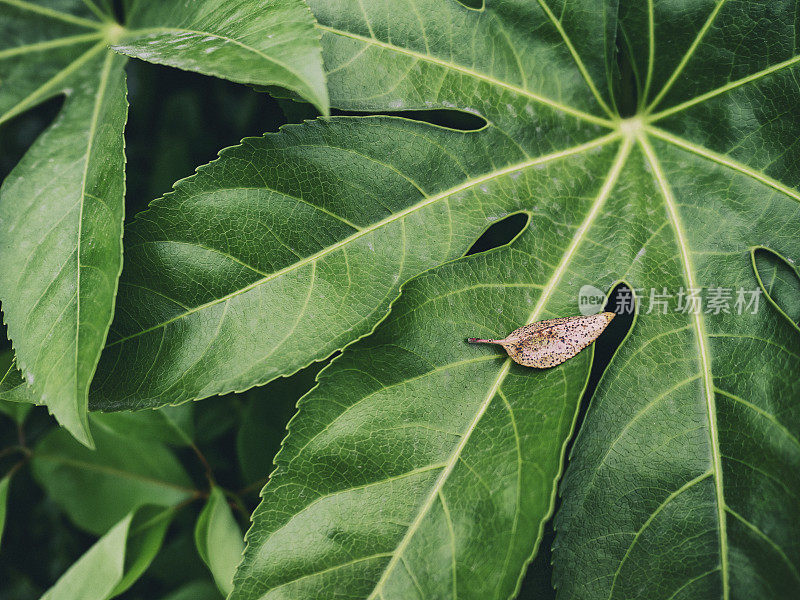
(607, 344)
(446, 117)
(537, 581)
(500, 233)
(779, 280)
(474, 4)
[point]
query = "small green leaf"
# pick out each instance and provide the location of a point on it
(4, 482)
(219, 540)
(97, 487)
(248, 41)
(95, 575)
(145, 537)
(116, 560)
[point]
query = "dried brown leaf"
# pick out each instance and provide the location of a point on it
(549, 343)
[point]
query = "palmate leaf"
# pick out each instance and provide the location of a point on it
(61, 208)
(423, 467)
(329, 223)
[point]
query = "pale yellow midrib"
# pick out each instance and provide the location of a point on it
(686, 57)
(705, 360)
(723, 89)
(382, 223)
(545, 296)
(576, 57)
(50, 84)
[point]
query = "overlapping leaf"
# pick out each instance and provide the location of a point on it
(295, 244)
(242, 40)
(683, 481)
(219, 540)
(116, 560)
(61, 208)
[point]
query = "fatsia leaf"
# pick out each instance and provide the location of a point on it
(97, 487)
(272, 43)
(115, 561)
(328, 223)
(315, 261)
(421, 466)
(219, 540)
(61, 208)
(684, 478)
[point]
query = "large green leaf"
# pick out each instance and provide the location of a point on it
(61, 208)
(403, 473)
(315, 261)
